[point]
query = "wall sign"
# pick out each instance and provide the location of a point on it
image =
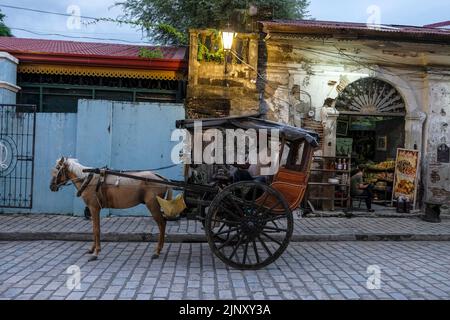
(443, 154)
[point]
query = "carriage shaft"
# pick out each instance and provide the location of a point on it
(177, 184)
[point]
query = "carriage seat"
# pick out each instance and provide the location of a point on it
(292, 185)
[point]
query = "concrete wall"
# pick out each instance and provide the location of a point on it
(103, 133)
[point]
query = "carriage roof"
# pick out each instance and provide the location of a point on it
(287, 132)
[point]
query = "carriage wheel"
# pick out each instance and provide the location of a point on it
(248, 225)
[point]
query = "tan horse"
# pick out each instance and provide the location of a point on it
(114, 193)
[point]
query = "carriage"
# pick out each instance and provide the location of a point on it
(249, 223)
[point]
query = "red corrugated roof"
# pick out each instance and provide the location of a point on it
(23, 45)
(361, 28)
(93, 54)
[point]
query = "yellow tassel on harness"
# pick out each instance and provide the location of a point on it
(172, 208)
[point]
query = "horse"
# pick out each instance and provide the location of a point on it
(112, 193)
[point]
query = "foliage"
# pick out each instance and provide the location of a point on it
(210, 55)
(151, 53)
(210, 48)
(4, 29)
(168, 22)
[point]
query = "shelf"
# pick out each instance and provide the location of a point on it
(328, 184)
(384, 180)
(331, 170)
(339, 193)
(380, 170)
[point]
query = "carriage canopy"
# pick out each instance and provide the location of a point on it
(287, 132)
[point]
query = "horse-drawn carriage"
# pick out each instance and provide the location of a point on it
(248, 224)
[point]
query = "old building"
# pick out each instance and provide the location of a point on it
(395, 74)
(380, 87)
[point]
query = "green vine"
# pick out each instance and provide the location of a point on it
(212, 51)
(204, 54)
(151, 53)
(179, 37)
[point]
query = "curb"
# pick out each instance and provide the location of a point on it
(200, 238)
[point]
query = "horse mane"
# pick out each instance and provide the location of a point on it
(75, 167)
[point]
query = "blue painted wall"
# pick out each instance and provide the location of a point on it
(117, 134)
(7, 96)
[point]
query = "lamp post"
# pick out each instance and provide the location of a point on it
(227, 39)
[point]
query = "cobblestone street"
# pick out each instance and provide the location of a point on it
(312, 270)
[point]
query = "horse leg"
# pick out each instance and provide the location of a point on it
(155, 211)
(95, 249)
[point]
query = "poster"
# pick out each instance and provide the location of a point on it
(406, 173)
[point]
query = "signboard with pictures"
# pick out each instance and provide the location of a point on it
(406, 175)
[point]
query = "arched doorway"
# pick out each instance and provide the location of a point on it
(372, 118)
(371, 127)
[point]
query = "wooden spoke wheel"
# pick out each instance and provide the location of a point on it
(248, 225)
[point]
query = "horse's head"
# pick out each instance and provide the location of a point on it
(59, 175)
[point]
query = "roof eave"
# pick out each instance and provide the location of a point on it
(102, 61)
(352, 34)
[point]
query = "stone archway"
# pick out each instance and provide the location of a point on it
(371, 96)
(405, 101)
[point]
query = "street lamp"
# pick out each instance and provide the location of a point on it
(227, 39)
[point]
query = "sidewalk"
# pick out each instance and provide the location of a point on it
(132, 229)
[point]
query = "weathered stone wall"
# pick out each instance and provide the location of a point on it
(438, 133)
(216, 90)
(426, 95)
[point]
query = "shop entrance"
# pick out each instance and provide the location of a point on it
(369, 130)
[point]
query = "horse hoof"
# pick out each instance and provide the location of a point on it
(93, 258)
(89, 252)
(155, 256)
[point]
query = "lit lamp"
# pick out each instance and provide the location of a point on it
(227, 39)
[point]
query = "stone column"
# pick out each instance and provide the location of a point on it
(253, 58)
(193, 52)
(414, 130)
(329, 116)
(8, 78)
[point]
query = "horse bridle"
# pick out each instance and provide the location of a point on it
(61, 171)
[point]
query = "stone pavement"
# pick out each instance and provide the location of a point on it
(70, 228)
(309, 270)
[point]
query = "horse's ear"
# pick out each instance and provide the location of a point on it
(61, 161)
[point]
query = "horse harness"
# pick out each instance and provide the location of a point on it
(98, 190)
